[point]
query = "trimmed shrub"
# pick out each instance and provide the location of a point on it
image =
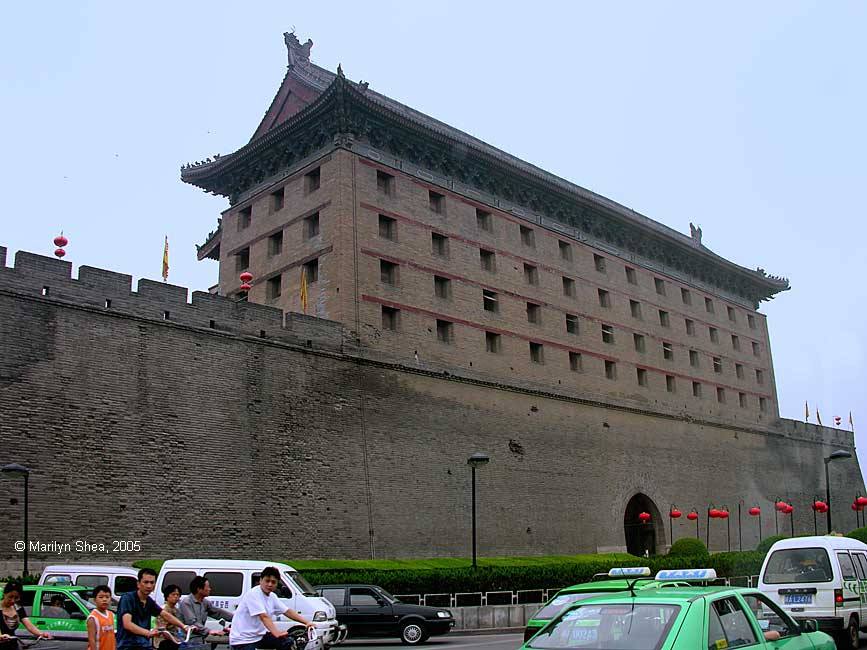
(689, 546)
(738, 563)
(859, 533)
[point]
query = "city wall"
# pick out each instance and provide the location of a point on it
(210, 427)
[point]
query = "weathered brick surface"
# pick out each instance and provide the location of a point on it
(205, 441)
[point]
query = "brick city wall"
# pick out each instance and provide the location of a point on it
(214, 428)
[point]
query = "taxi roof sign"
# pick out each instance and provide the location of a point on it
(629, 572)
(686, 574)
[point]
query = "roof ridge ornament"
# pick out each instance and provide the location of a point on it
(297, 53)
(695, 233)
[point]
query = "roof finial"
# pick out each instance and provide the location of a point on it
(340, 71)
(297, 53)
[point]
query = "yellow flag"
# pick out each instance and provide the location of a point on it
(166, 260)
(304, 289)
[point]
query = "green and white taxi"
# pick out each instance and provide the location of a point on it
(679, 618)
(61, 610)
(617, 579)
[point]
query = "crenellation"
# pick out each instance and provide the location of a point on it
(99, 288)
(2, 257)
(114, 284)
(41, 266)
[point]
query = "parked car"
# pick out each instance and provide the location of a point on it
(59, 609)
(231, 578)
(120, 579)
(370, 611)
(820, 577)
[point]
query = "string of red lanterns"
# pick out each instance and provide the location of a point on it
(60, 241)
(246, 277)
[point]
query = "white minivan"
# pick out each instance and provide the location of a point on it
(120, 579)
(822, 578)
(229, 579)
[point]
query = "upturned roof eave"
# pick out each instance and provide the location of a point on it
(206, 175)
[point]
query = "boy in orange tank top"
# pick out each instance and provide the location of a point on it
(100, 622)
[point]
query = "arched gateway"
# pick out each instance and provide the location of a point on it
(641, 538)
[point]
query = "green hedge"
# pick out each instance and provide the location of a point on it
(859, 533)
(766, 544)
(511, 574)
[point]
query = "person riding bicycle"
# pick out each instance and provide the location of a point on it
(11, 616)
(252, 625)
(195, 608)
(134, 612)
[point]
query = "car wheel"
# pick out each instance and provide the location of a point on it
(848, 639)
(412, 633)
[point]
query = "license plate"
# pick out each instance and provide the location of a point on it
(798, 599)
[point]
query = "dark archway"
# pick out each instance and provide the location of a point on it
(642, 537)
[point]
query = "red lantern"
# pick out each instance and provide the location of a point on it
(60, 252)
(60, 241)
(755, 511)
(713, 513)
(855, 507)
(692, 516)
(674, 513)
(723, 514)
(781, 506)
(789, 510)
(245, 278)
(819, 506)
(644, 517)
(861, 501)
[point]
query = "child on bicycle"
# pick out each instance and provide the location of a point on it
(100, 621)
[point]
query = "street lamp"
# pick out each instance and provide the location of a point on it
(14, 470)
(836, 455)
(478, 459)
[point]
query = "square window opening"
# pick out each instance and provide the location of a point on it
(390, 318)
(312, 180)
(437, 202)
(439, 244)
(484, 221)
(604, 298)
(387, 228)
(489, 301)
(528, 237)
(610, 370)
(445, 331)
(537, 353)
(384, 183)
(277, 200)
(599, 263)
(311, 268)
(565, 250)
(576, 363)
(311, 226)
(442, 287)
(493, 342)
(275, 244)
(571, 324)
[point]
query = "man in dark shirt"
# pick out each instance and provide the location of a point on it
(134, 612)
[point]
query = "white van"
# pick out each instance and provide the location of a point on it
(822, 578)
(120, 579)
(229, 579)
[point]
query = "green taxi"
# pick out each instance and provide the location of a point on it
(679, 618)
(61, 610)
(615, 580)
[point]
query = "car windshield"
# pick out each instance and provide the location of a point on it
(387, 595)
(82, 597)
(303, 585)
(624, 626)
(561, 602)
(793, 565)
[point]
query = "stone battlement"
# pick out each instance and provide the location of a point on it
(108, 291)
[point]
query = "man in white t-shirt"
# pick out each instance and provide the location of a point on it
(253, 625)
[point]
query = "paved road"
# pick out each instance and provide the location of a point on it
(447, 642)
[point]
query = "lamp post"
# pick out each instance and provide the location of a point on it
(14, 470)
(836, 455)
(476, 460)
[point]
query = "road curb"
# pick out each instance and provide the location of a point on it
(487, 630)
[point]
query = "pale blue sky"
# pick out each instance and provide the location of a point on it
(748, 119)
